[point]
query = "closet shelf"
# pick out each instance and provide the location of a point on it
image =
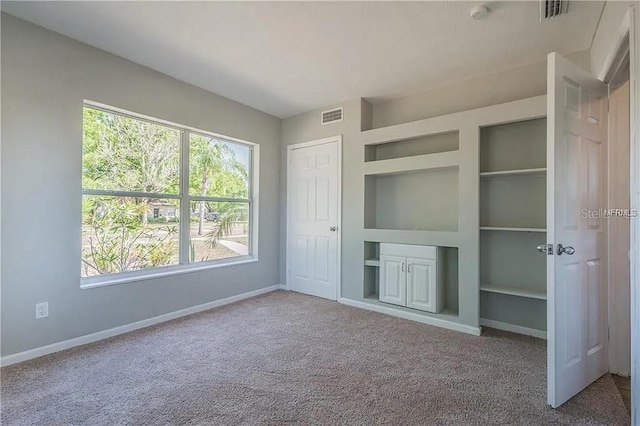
(372, 262)
(440, 160)
(512, 291)
(516, 172)
(502, 228)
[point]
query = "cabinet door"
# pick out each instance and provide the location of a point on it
(422, 284)
(393, 280)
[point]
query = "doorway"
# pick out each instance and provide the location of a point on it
(313, 217)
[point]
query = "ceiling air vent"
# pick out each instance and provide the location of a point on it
(552, 8)
(331, 116)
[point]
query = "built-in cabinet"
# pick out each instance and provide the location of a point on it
(409, 276)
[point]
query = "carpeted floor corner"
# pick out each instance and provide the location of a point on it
(289, 358)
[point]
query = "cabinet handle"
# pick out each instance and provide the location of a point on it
(409, 267)
(402, 266)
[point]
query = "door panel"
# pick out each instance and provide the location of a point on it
(421, 284)
(312, 247)
(393, 284)
(576, 293)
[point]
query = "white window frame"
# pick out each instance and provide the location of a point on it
(185, 199)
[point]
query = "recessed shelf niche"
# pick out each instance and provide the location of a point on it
(423, 200)
(430, 144)
(514, 201)
(510, 259)
(513, 146)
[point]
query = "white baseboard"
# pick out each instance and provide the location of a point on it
(105, 334)
(438, 322)
(513, 328)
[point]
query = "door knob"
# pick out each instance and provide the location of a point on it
(567, 250)
(333, 229)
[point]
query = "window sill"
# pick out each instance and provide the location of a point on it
(167, 271)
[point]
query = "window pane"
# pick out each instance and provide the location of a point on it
(218, 231)
(218, 168)
(127, 234)
(125, 154)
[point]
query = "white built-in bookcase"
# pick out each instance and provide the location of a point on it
(513, 211)
(473, 184)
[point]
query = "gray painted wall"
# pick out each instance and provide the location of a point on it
(510, 85)
(45, 78)
(307, 127)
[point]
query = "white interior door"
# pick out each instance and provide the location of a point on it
(576, 269)
(312, 230)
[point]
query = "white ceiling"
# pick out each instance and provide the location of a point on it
(287, 58)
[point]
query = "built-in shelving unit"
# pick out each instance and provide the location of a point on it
(427, 183)
(411, 197)
(513, 223)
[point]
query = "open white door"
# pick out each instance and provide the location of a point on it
(576, 264)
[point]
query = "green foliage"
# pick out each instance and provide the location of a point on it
(121, 153)
(214, 169)
(230, 214)
(118, 241)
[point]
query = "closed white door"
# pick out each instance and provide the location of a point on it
(393, 279)
(312, 230)
(576, 264)
(421, 284)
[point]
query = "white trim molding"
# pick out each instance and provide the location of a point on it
(438, 322)
(499, 325)
(105, 334)
(634, 53)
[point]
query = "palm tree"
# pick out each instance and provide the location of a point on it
(213, 163)
(207, 157)
(229, 214)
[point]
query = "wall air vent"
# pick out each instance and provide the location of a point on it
(331, 116)
(552, 8)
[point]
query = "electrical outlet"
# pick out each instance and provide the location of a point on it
(42, 310)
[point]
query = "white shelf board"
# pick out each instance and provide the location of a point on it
(508, 229)
(406, 236)
(517, 172)
(512, 291)
(440, 160)
(372, 262)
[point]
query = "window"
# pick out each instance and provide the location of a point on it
(161, 196)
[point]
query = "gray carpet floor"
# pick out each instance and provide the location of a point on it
(289, 358)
